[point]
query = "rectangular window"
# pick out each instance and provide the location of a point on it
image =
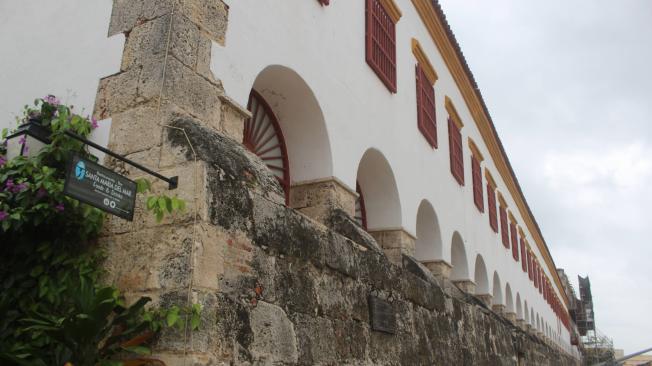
(523, 258)
(491, 202)
(514, 241)
(536, 275)
(529, 265)
(503, 226)
(476, 173)
(381, 43)
(540, 280)
(455, 143)
(426, 119)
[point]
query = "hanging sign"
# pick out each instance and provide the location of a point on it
(98, 186)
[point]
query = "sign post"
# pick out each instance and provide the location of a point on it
(98, 186)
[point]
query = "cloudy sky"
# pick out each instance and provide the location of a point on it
(569, 87)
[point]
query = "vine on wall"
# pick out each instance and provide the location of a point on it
(55, 310)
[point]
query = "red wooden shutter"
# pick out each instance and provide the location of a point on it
(514, 241)
(536, 275)
(476, 173)
(455, 143)
(540, 272)
(324, 2)
(529, 265)
(503, 226)
(491, 202)
(426, 119)
(523, 256)
(381, 43)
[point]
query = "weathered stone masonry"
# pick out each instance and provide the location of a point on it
(277, 287)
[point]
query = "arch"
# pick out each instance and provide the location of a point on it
(509, 300)
(458, 259)
(532, 322)
(301, 121)
(538, 323)
(428, 243)
(378, 186)
(519, 307)
(497, 290)
(526, 312)
(263, 136)
(480, 276)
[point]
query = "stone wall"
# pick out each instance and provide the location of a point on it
(277, 287)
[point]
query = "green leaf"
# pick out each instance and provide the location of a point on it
(140, 350)
(151, 202)
(142, 185)
(159, 216)
(175, 203)
(172, 316)
(36, 271)
(161, 203)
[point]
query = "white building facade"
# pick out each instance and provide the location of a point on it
(373, 95)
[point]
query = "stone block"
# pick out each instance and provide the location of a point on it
(116, 93)
(274, 338)
(498, 309)
(486, 299)
(440, 268)
(233, 117)
(395, 243)
(467, 286)
(511, 316)
(146, 41)
(210, 15)
(136, 129)
(318, 199)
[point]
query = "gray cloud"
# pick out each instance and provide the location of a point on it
(568, 86)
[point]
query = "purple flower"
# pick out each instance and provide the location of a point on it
(94, 123)
(20, 187)
(9, 185)
(59, 207)
(3, 215)
(51, 99)
(41, 193)
(3, 160)
(25, 149)
(23, 140)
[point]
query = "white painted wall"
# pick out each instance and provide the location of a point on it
(55, 47)
(325, 47)
(61, 48)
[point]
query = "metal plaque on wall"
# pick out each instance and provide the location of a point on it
(98, 186)
(381, 313)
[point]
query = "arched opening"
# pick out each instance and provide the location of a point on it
(480, 276)
(532, 320)
(428, 243)
(497, 290)
(377, 186)
(287, 129)
(263, 136)
(360, 210)
(526, 312)
(538, 323)
(509, 300)
(519, 307)
(458, 259)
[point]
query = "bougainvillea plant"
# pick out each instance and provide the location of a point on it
(54, 309)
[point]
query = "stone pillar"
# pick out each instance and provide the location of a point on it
(520, 323)
(395, 243)
(164, 83)
(498, 309)
(485, 298)
(467, 286)
(511, 317)
(318, 199)
(439, 268)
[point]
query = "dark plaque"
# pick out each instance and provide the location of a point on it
(98, 186)
(382, 315)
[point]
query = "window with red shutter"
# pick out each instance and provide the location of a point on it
(476, 173)
(426, 119)
(491, 202)
(514, 241)
(381, 43)
(529, 265)
(540, 272)
(455, 143)
(536, 275)
(523, 257)
(503, 226)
